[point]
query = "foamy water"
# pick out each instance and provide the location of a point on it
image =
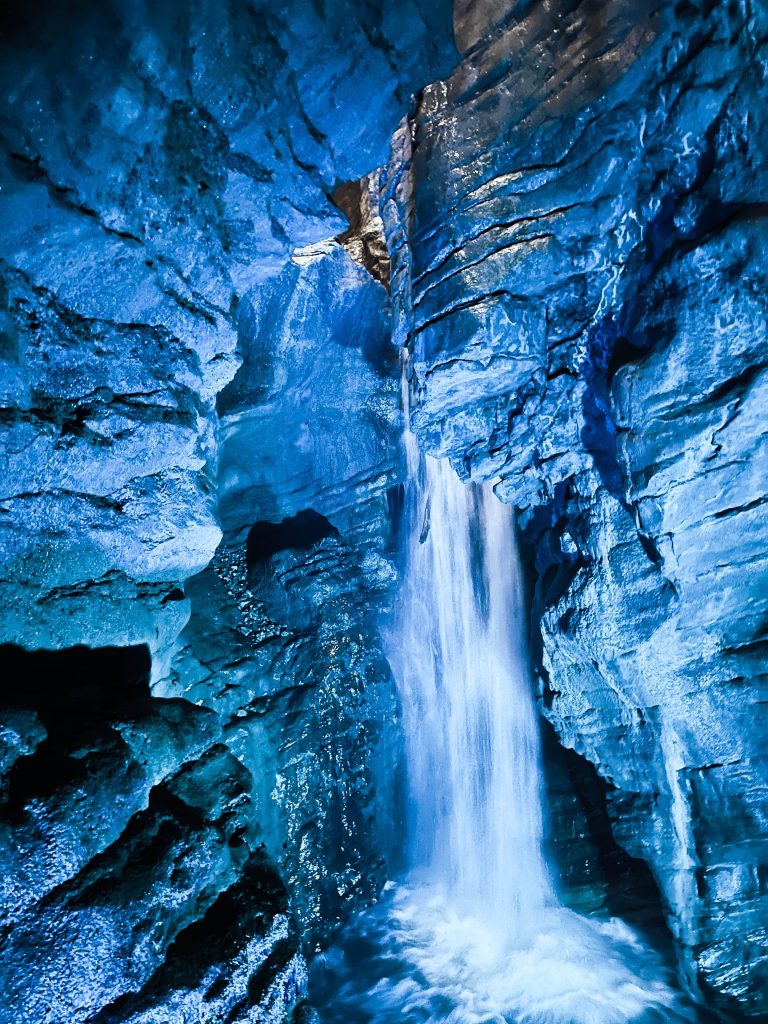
(414, 958)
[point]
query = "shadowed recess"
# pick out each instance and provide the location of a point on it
(294, 533)
(74, 682)
(74, 693)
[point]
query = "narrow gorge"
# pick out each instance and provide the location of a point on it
(383, 536)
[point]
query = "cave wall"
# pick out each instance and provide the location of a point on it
(160, 163)
(169, 170)
(199, 334)
(577, 223)
(131, 888)
(283, 640)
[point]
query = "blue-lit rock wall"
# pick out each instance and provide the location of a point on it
(200, 418)
(187, 803)
(283, 638)
(161, 162)
(577, 218)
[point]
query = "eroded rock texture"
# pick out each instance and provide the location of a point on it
(171, 848)
(201, 279)
(129, 860)
(160, 162)
(283, 637)
(577, 223)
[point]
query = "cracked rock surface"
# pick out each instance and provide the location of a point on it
(204, 282)
(185, 812)
(160, 163)
(576, 218)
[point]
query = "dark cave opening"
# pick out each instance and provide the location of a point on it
(592, 867)
(74, 694)
(75, 681)
(395, 510)
(299, 532)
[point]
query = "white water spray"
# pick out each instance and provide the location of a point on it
(479, 916)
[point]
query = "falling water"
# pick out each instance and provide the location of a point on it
(475, 933)
(458, 653)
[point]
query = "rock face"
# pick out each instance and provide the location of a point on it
(171, 842)
(126, 838)
(201, 281)
(577, 223)
(160, 163)
(283, 639)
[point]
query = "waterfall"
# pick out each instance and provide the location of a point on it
(458, 653)
(475, 933)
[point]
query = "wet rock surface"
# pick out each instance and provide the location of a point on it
(283, 641)
(201, 280)
(160, 162)
(172, 847)
(577, 222)
(125, 828)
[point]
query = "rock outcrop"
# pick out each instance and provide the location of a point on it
(204, 284)
(174, 843)
(126, 835)
(577, 226)
(283, 639)
(160, 164)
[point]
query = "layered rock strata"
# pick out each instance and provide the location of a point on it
(576, 219)
(283, 639)
(172, 848)
(575, 228)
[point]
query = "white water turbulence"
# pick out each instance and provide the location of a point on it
(475, 933)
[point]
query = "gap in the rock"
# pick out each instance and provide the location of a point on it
(476, 931)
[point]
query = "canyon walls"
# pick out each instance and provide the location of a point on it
(204, 284)
(191, 722)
